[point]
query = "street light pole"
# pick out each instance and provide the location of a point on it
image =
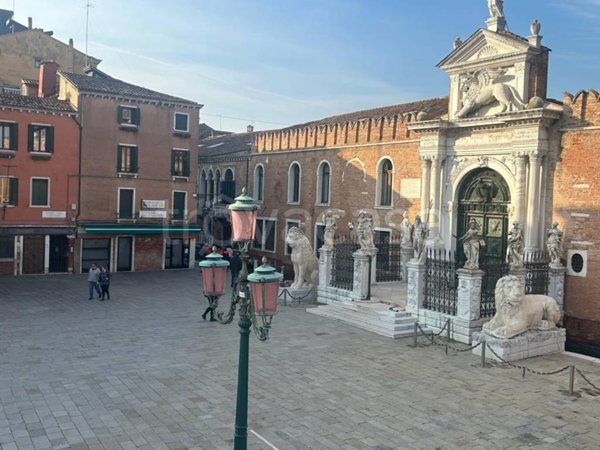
(255, 296)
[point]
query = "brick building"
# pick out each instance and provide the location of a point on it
(39, 154)
(496, 150)
(24, 48)
(137, 209)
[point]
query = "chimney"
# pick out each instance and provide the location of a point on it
(47, 79)
(71, 42)
(250, 129)
(30, 23)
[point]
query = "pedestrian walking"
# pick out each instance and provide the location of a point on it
(104, 280)
(93, 275)
(235, 264)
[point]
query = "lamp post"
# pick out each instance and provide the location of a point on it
(254, 296)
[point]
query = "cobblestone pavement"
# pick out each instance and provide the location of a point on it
(143, 370)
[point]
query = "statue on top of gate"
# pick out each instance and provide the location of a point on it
(364, 230)
(496, 8)
(472, 242)
(406, 230)
(330, 220)
(420, 233)
(554, 244)
(514, 248)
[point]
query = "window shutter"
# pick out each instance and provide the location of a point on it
(134, 159)
(119, 158)
(186, 164)
(50, 139)
(135, 116)
(172, 162)
(14, 137)
(119, 114)
(30, 138)
(13, 188)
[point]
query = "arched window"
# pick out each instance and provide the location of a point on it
(385, 181)
(294, 183)
(259, 183)
(218, 186)
(323, 183)
(211, 187)
(229, 175)
(202, 191)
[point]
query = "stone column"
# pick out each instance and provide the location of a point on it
(469, 294)
(406, 254)
(533, 204)
(425, 180)
(415, 294)
(361, 279)
(325, 266)
(520, 189)
(434, 217)
(556, 285)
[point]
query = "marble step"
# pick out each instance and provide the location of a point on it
(375, 317)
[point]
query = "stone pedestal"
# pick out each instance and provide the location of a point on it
(362, 278)
(469, 294)
(415, 293)
(496, 24)
(406, 254)
(527, 345)
(556, 285)
(325, 266)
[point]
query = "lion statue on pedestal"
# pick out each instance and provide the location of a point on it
(517, 313)
(306, 265)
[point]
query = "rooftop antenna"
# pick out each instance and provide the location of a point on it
(87, 24)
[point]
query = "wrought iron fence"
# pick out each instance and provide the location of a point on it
(494, 268)
(441, 281)
(342, 267)
(388, 267)
(537, 265)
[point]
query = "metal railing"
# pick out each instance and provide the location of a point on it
(441, 281)
(342, 267)
(388, 266)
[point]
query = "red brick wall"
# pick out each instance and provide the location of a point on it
(577, 190)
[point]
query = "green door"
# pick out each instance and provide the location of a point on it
(484, 196)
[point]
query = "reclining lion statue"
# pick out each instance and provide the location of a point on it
(306, 265)
(517, 313)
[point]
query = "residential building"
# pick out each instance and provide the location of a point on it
(137, 209)
(24, 48)
(39, 155)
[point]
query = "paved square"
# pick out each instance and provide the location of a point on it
(143, 370)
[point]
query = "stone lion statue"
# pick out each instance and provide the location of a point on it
(517, 313)
(306, 265)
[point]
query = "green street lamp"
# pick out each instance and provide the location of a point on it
(255, 296)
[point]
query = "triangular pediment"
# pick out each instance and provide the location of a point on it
(485, 46)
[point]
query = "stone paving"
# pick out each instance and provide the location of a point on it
(143, 370)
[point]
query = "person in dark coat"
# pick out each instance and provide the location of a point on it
(235, 264)
(104, 281)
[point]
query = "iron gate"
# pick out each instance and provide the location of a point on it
(441, 281)
(342, 267)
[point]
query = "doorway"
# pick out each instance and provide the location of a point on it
(485, 197)
(124, 254)
(176, 254)
(34, 249)
(59, 254)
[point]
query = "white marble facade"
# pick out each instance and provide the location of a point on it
(517, 142)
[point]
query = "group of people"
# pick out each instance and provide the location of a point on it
(98, 281)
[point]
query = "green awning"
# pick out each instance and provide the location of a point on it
(100, 228)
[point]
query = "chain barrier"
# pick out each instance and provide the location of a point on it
(524, 369)
(587, 380)
(287, 293)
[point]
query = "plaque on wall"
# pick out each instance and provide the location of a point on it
(153, 204)
(54, 214)
(410, 188)
(153, 214)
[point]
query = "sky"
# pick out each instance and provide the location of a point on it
(275, 63)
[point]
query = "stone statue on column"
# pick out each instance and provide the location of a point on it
(406, 230)
(514, 248)
(554, 245)
(496, 8)
(471, 245)
(364, 231)
(420, 233)
(330, 220)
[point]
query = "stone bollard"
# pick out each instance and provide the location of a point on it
(362, 277)
(325, 266)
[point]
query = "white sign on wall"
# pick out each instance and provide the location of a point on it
(153, 204)
(153, 214)
(410, 188)
(54, 214)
